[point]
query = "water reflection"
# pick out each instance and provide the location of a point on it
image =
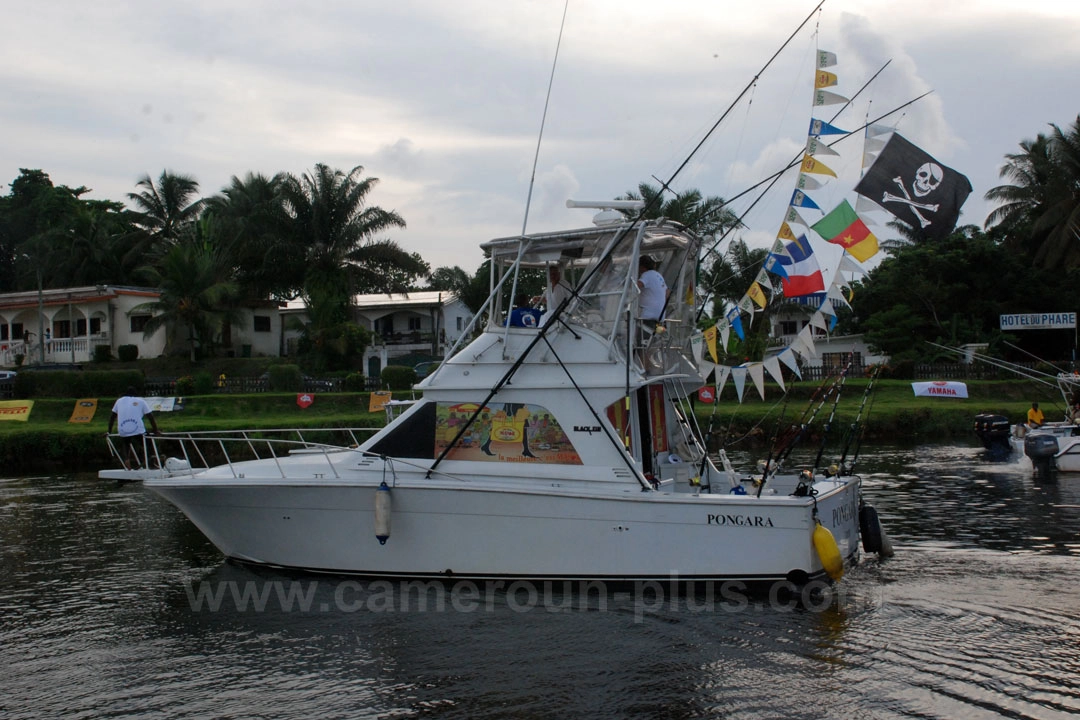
(975, 616)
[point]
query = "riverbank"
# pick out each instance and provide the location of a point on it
(48, 442)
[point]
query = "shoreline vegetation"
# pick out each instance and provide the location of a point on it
(48, 442)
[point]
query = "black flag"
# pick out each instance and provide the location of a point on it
(915, 188)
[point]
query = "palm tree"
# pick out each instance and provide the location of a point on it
(165, 211)
(254, 231)
(1041, 207)
(705, 216)
(336, 230)
(196, 291)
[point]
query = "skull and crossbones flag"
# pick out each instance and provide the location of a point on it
(915, 187)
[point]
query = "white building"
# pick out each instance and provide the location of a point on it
(422, 323)
(833, 351)
(65, 325)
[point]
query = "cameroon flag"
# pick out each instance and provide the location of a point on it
(844, 228)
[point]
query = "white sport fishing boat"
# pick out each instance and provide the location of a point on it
(1054, 446)
(566, 450)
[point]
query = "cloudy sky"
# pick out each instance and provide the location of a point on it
(442, 101)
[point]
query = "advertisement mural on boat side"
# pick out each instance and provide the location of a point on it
(503, 432)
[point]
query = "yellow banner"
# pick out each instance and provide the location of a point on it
(757, 295)
(16, 409)
(84, 410)
(378, 400)
(710, 340)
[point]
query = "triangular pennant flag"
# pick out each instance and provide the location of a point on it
(806, 337)
(723, 372)
(847, 264)
(820, 127)
(762, 279)
(868, 159)
(836, 295)
(788, 358)
(747, 306)
(865, 204)
(756, 294)
(725, 333)
(798, 347)
(824, 97)
(710, 342)
(876, 129)
(705, 368)
(815, 146)
(810, 165)
(756, 371)
(772, 364)
(801, 199)
(808, 182)
(825, 59)
(784, 234)
(824, 79)
(818, 320)
(697, 346)
(735, 322)
(738, 376)
(774, 265)
(833, 323)
(873, 145)
(827, 307)
(793, 216)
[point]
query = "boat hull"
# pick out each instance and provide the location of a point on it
(492, 533)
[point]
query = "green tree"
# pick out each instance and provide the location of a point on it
(164, 212)
(705, 216)
(196, 293)
(1040, 208)
(453, 279)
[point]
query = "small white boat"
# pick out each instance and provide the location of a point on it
(1053, 446)
(567, 450)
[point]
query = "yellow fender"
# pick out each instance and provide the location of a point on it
(828, 551)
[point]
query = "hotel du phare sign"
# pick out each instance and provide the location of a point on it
(1039, 321)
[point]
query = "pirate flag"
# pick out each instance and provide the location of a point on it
(915, 188)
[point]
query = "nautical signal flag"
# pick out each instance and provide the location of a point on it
(915, 187)
(824, 78)
(812, 165)
(820, 127)
(803, 271)
(843, 227)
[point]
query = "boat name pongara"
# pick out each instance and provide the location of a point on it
(740, 520)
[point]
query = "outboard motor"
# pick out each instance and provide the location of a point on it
(1041, 448)
(993, 431)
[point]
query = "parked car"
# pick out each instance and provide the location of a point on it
(426, 368)
(6, 375)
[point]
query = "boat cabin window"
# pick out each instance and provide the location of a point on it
(413, 437)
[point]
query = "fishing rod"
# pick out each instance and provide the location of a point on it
(832, 414)
(855, 432)
(601, 261)
(795, 433)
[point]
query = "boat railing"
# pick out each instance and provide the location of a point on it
(188, 453)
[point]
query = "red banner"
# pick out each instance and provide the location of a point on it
(305, 399)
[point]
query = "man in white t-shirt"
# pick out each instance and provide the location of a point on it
(127, 414)
(653, 289)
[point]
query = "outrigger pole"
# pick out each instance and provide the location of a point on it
(541, 333)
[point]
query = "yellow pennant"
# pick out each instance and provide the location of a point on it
(757, 295)
(813, 165)
(690, 293)
(784, 234)
(710, 341)
(824, 79)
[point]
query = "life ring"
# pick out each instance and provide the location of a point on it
(870, 529)
(828, 551)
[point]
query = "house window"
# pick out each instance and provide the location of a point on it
(95, 326)
(789, 327)
(17, 331)
(414, 323)
(138, 322)
(460, 323)
(4, 332)
(837, 361)
(61, 328)
(80, 327)
(262, 323)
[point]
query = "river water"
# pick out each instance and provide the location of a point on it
(113, 605)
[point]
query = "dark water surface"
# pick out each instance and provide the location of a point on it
(113, 605)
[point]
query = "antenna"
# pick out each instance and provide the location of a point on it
(543, 119)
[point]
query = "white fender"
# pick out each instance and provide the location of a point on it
(382, 513)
